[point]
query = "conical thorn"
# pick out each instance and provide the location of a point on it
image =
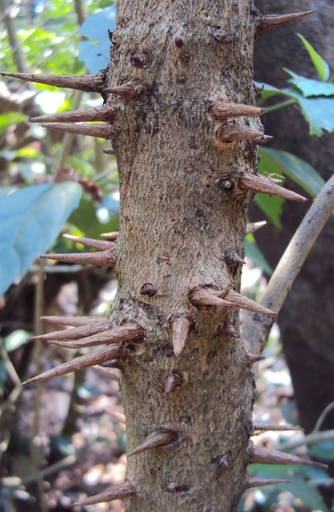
(120, 334)
(263, 184)
(233, 258)
(100, 259)
(271, 22)
(104, 113)
(233, 132)
(261, 482)
(240, 301)
(88, 83)
(118, 416)
(252, 359)
(73, 321)
(101, 131)
(254, 226)
(128, 91)
(157, 438)
(80, 363)
(171, 380)
(74, 333)
(221, 110)
(112, 236)
(181, 327)
(115, 493)
(230, 331)
(258, 428)
(100, 245)
(200, 297)
(109, 151)
(260, 455)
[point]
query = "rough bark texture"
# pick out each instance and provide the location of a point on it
(177, 222)
(306, 321)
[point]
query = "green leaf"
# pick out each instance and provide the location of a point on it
(323, 450)
(3, 373)
(31, 218)
(267, 91)
(256, 256)
(271, 207)
(16, 339)
(85, 218)
(309, 87)
(319, 113)
(282, 162)
(319, 63)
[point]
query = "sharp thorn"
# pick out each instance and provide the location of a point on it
(171, 380)
(252, 359)
(109, 151)
(100, 245)
(113, 364)
(118, 416)
(254, 226)
(128, 91)
(271, 22)
(260, 455)
(221, 110)
(181, 326)
(263, 184)
(233, 258)
(112, 236)
(101, 131)
(203, 297)
(245, 303)
(159, 437)
(88, 83)
(104, 113)
(80, 363)
(116, 493)
(74, 333)
(73, 321)
(100, 259)
(121, 334)
(233, 132)
(230, 331)
(261, 482)
(258, 428)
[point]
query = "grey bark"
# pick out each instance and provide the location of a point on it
(305, 321)
(176, 223)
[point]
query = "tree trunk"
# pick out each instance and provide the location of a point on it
(181, 215)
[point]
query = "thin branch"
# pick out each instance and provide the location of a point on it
(257, 328)
(314, 437)
(9, 25)
(322, 417)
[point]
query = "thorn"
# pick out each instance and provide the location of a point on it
(118, 416)
(100, 245)
(112, 236)
(254, 226)
(104, 113)
(240, 301)
(274, 21)
(109, 151)
(73, 321)
(141, 59)
(263, 184)
(115, 493)
(92, 130)
(258, 428)
(262, 455)
(171, 380)
(88, 83)
(148, 289)
(233, 258)
(128, 91)
(230, 331)
(221, 109)
(178, 41)
(252, 359)
(159, 437)
(113, 364)
(181, 327)
(203, 297)
(233, 132)
(100, 259)
(74, 333)
(261, 482)
(127, 332)
(80, 363)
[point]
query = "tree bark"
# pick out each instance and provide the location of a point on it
(181, 214)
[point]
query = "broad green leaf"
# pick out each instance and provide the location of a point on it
(9, 119)
(6, 191)
(271, 207)
(309, 87)
(16, 339)
(31, 218)
(322, 451)
(319, 113)
(256, 256)
(319, 63)
(281, 162)
(85, 218)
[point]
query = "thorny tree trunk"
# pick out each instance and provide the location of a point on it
(178, 224)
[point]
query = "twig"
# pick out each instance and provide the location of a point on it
(257, 328)
(322, 416)
(314, 437)
(17, 55)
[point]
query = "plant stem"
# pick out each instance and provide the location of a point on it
(278, 106)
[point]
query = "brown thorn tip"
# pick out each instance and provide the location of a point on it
(116, 493)
(262, 455)
(80, 363)
(221, 110)
(128, 91)
(245, 303)
(88, 83)
(252, 359)
(263, 184)
(171, 380)
(74, 333)
(234, 132)
(100, 245)
(104, 113)
(204, 297)
(273, 21)
(73, 321)
(254, 226)
(181, 327)
(159, 437)
(261, 482)
(100, 259)
(118, 416)
(112, 236)
(101, 131)
(109, 151)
